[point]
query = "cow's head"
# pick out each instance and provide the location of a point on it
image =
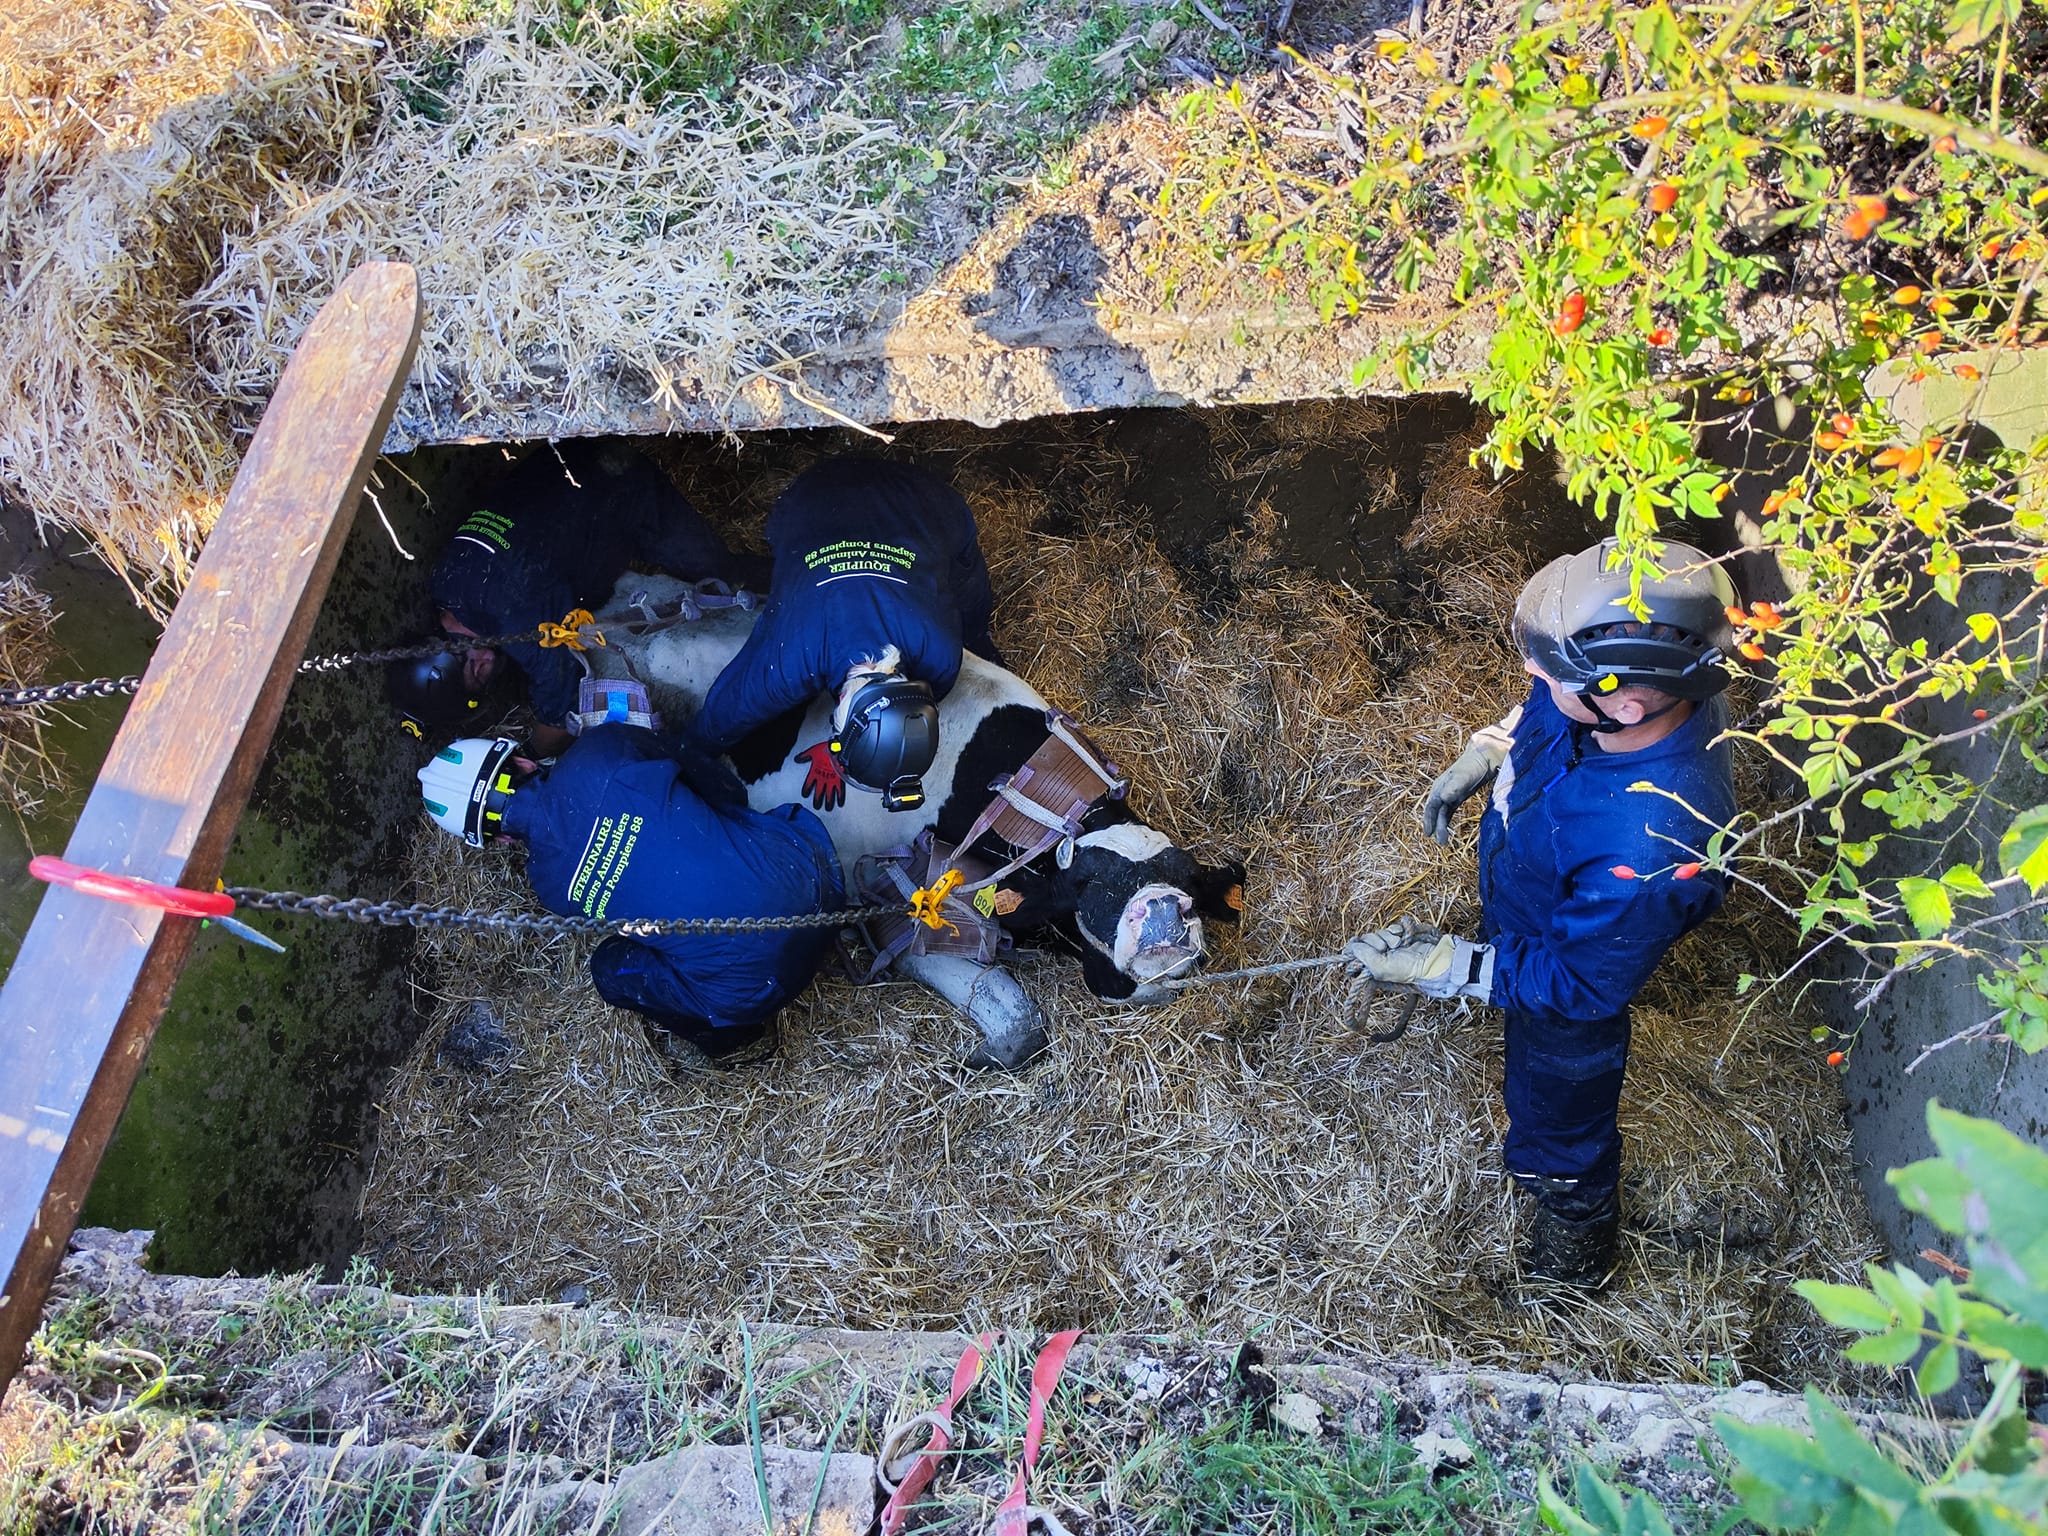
(1136, 902)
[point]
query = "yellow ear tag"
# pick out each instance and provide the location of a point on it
(1608, 683)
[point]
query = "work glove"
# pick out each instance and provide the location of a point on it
(1436, 965)
(1478, 763)
(825, 783)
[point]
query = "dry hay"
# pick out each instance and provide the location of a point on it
(1241, 1162)
(186, 184)
(28, 769)
(137, 137)
(568, 237)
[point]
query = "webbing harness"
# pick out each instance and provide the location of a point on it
(604, 699)
(1041, 805)
(898, 877)
(907, 1476)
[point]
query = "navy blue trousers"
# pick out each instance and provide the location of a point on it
(1563, 1099)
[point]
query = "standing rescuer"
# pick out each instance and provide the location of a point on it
(621, 827)
(552, 534)
(879, 582)
(1608, 782)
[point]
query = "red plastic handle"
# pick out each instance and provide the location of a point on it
(135, 893)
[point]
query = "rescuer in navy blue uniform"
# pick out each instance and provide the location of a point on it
(621, 827)
(1584, 881)
(554, 533)
(878, 583)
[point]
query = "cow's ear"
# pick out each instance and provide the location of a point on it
(1219, 891)
(1026, 899)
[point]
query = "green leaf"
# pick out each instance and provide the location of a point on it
(1896, 1292)
(1972, 21)
(2025, 1342)
(2009, 1447)
(1947, 1308)
(1781, 1476)
(1646, 1517)
(1559, 1515)
(1927, 904)
(1852, 1457)
(2023, 851)
(1939, 1371)
(1600, 1500)
(1846, 1306)
(1982, 625)
(2008, 1177)
(1893, 1348)
(1964, 880)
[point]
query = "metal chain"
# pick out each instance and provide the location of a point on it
(114, 687)
(400, 914)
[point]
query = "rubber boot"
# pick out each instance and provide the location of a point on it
(1573, 1250)
(728, 1049)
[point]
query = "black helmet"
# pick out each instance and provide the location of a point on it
(1573, 621)
(890, 737)
(430, 692)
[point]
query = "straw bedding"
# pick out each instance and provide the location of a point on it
(184, 183)
(133, 138)
(1239, 1162)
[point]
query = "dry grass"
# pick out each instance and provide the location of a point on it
(28, 769)
(185, 184)
(1240, 1162)
(137, 138)
(570, 241)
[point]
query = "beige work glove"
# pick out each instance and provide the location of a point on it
(1476, 765)
(1436, 965)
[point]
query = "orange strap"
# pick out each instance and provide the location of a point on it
(1013, 1515)
(926, 1466)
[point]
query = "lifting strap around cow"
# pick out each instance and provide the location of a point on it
(608, 693)
(966, 918)
(1041, 805)
(953, 890)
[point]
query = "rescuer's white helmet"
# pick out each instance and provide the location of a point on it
(467, 785)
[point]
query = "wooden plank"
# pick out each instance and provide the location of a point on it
(91, 982)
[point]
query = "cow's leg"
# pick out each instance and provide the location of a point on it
(1012, 1028)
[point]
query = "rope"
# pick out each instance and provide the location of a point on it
(399, 914)
(1256, 970)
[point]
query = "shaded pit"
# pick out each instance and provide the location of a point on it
(1283, 623)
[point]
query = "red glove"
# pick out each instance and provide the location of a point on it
(826, 782)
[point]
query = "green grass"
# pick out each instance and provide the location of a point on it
(1232, 1478)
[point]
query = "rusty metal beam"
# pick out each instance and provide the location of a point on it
(84, 997)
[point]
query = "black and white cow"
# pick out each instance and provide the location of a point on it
(1131, 902)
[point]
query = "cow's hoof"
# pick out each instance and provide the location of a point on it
(1010, 1054)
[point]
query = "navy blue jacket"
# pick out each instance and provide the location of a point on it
(1571, 938)
(868, 553)
(555, 533)
(622, 828)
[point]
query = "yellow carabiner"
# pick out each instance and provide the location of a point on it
(924, 906)
(570, 631)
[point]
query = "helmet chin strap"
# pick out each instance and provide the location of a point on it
(1605, 724)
